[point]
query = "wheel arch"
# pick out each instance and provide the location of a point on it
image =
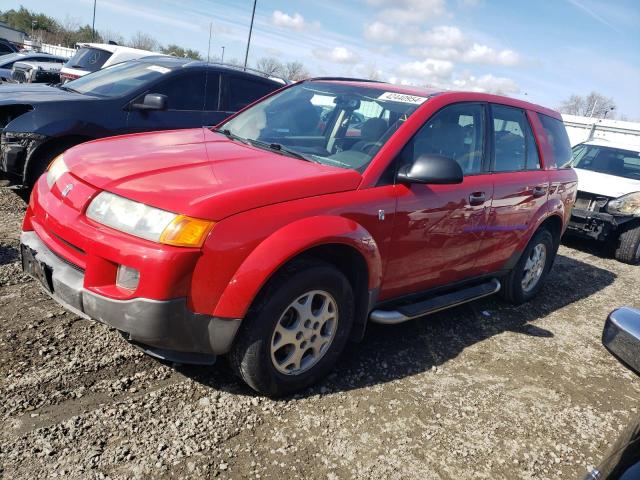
(338, 241)
(51, 144)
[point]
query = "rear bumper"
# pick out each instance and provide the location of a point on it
(163, 325)
(621, 336)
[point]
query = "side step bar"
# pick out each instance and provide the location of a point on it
(435, 304)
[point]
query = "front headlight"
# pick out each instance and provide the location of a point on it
(56, 169)
(625, 205)
(148, 222)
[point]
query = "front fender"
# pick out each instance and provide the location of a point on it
(285, 244)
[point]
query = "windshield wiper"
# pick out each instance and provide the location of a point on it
(67, 89)
(278, 147)
(227, 133)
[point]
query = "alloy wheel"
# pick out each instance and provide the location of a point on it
(304, 332)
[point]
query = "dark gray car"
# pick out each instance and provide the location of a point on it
(153, 93)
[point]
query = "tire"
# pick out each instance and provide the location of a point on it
(297, 358)
(628, 250)
(513, 289)
(39, 163)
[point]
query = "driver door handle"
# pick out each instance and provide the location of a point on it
(477, 198)
(539, 190)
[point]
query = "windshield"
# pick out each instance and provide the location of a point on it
(91, 59)
(117, 80)
(335, 124)
(613, 161)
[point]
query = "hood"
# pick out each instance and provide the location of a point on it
(604, 184)
(200, 173)
(35, 93)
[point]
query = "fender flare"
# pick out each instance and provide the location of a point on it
(285, 244)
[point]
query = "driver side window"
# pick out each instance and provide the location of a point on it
(456, 132)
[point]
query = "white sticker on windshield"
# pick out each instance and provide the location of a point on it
(402, 98)
(159, 69)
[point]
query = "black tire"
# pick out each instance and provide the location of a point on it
(628, 250)
(41, 160)
(250, 356)
(512, 288)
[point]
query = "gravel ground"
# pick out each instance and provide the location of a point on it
(486, 390)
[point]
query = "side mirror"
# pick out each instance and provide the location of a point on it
(432, 169)
(151, 101)
(621, 336)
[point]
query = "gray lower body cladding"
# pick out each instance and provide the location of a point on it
(166, 326)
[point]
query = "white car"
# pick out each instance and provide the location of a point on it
(607, 206)
(91, 57)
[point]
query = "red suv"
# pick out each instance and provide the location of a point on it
(275, 237)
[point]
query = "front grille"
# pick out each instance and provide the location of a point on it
(20, 76)
(590, 201)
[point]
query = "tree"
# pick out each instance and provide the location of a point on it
(144, 41)
(270, 66)
(178, 51)
(111, 36)
(595, 104)
(295, 71)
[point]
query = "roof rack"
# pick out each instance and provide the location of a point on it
(347, 79)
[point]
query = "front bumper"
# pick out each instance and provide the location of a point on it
(15, 150)
(597, 225)
(162, 327)
(621, 336)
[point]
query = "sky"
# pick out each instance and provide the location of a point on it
(542, 51)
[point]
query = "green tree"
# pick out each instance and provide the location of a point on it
(178, 51)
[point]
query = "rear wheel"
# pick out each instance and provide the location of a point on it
(296, 330)
(628, 250)
(526, 279)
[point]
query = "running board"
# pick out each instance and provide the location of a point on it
(435, 304)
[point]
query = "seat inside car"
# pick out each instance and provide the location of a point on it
(370, 133)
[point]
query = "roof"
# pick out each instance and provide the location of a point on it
(113, 48)
(602, 142)
(430, 92)
(179, 62)
(4, 25)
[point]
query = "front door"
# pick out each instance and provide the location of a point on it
(438, 229)
(185, 102)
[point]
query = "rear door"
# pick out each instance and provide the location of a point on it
(185, 93)
(438, 229)
(238, 91)
(521, 186)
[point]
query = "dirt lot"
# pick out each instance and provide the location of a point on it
(483, 391)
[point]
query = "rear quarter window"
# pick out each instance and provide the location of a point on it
(557, 139)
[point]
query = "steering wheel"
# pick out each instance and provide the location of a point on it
(367, 146)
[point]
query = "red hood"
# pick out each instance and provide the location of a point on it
(201, 173)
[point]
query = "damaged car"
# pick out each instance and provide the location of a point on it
(38, 122)
(607, 207)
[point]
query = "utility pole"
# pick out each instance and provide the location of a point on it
(93, 25)
(253, 14)
(209, 47)
(222, 57)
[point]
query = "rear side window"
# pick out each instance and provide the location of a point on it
(558, 140)
(90, 59)
(514, 145)
(240, 92)
(184, 92)
(456, 132)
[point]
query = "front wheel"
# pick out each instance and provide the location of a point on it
(526, 279)
(296, 330)
(628, 250)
